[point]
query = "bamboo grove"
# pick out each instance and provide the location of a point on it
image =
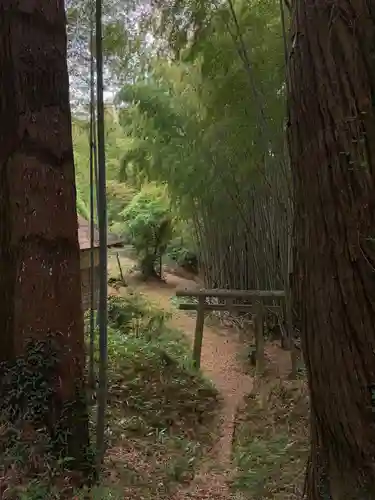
(205, 123)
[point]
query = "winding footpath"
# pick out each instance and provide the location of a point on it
(220, 363)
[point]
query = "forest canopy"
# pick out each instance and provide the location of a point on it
(203, 117)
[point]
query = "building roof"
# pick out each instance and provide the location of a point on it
(84, 236)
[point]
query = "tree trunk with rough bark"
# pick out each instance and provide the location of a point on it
(332, 146)
(40, 291)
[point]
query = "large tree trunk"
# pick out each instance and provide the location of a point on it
(332, 147)
(39, 256)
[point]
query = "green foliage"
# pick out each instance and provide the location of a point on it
(33, 425)
(119, 195)
(132, 313)
(271, 443)
(182, 249)
(26, 383)
(183, 254)
(82, 166)
(266, 455)
(210, 125)
(141, 341)
(197, 123)
(167, 143)
(149, 225)
(159, 405)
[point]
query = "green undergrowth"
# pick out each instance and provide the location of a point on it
(271, 442)
(35, 426)
(160, 416)
(161, 411)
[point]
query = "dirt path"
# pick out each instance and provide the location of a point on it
(219, 363)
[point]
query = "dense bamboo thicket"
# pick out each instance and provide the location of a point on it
(243, 235)
(211, 126)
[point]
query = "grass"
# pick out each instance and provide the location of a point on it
(161, 411)
(161, 414)
(271, 442)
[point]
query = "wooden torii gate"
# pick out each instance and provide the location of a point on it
(257, 308)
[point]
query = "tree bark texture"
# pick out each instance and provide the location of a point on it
(39, 254)
(332, 146)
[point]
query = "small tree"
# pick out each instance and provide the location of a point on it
(149, 224)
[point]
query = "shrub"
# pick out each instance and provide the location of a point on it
(151, 370)
(119, 195)
(183, 253)
(149, 226)
(124, 312)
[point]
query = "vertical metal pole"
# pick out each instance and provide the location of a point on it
(102, 219)
(92, 145)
